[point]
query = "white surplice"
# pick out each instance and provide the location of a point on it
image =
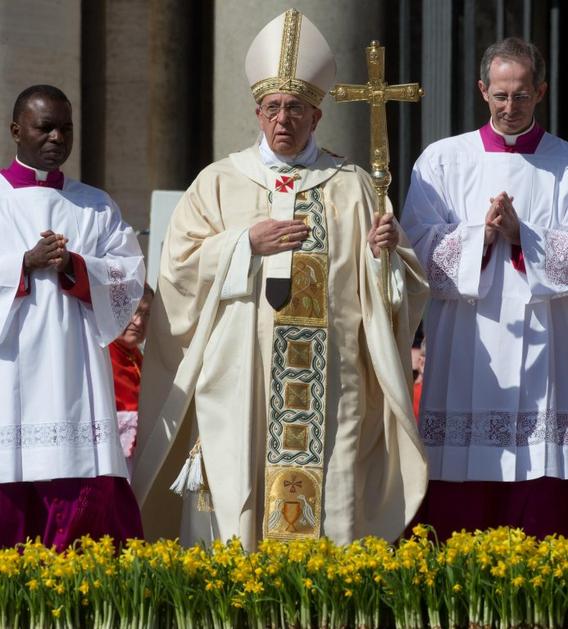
(495, 402)
(57, 411)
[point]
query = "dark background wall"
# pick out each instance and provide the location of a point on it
(147, 74)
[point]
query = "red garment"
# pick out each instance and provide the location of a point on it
(518, 258)
(80, 287)
(62, 510)
(416, 398)
(126, 370)
(538, 506)
(24, 286)
(486, 257)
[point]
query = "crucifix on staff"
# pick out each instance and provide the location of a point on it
(377, 92)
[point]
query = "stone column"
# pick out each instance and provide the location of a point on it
(126, 85)
(437, 70)
(170, 83)
(39, 43)
(348, 28)
(143, 98)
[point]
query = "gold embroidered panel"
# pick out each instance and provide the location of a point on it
(299, 354)
(295, 437)
(293, 502)
(297, 395)
(308, 300)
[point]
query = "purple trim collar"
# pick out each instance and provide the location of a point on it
(20, 176)
(526, 143)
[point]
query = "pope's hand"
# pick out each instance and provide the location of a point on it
(50, 251)
(383, 234)
(271, 236)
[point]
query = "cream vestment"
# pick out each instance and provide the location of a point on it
(218, 357)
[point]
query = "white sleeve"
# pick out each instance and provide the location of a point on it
(450, 250)
(397, 276)
(116, 277)
(10, 274)
(243, 267)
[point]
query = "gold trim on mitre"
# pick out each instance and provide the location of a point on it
(275, 85)
(290, 44)
(290, 56)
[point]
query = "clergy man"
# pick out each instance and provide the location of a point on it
(487, 213)
(271, 356)
(71, 274)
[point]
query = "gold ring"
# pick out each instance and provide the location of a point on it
(285, 238)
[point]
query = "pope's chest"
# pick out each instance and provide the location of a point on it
(282, 202)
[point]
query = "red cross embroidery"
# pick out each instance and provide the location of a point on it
(293, 484)
(284, 184)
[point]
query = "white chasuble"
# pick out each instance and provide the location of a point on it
(58, 417)
(494, 403)
(222, 367)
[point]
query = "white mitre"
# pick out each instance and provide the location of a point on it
(290, 55)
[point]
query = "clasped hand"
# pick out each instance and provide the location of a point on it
(383, 234)
(502, 219)
(49, 252)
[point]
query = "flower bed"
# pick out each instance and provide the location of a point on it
(498, 578)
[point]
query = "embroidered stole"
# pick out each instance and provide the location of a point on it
(297, 404)
(297, 407)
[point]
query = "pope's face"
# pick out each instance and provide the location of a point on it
(511, 94)
(288, 131)
(43, 133)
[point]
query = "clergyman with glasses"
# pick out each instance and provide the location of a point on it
(271, 359)
(487, 213)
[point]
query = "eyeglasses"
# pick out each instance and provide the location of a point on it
(517, 99)
(271, 111)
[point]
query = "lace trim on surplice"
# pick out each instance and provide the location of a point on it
(54, 434)
(120, 302)
(443, 262)
(556, 257)
(498, 429)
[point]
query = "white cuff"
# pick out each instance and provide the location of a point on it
(243, 268)
(396, 276)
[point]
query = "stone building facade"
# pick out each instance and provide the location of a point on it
(159, 90)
